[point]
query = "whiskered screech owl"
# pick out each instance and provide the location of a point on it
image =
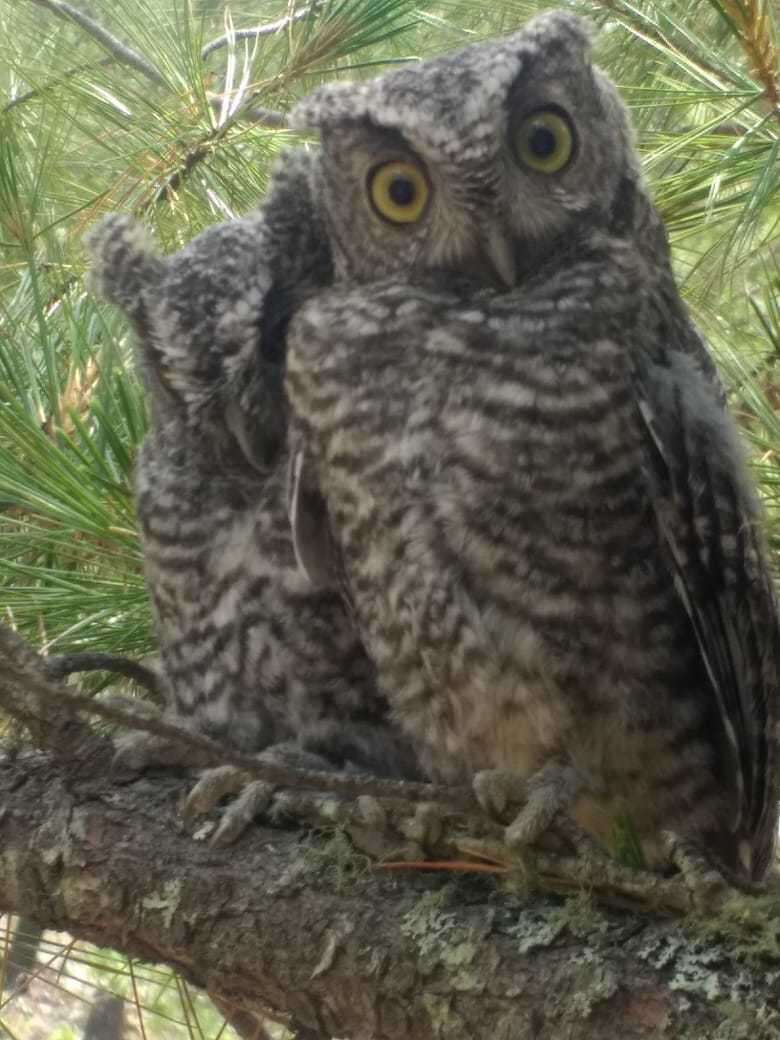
(250, 653)
(532, 493)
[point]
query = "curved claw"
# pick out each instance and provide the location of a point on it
(212, 786)
(254, 797)
(251, 803)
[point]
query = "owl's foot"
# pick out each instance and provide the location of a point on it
(381, 831)
(255, 797)
(707, 884)
(137, 751)
(543, 795)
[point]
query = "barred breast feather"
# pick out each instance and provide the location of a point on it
(533, 576)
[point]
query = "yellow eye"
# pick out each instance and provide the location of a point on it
(544, 141)
(399, 191)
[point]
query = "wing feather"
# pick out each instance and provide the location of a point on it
(709, 521)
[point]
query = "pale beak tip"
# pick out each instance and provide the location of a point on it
(500, 255)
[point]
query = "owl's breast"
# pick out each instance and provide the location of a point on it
(487, 494)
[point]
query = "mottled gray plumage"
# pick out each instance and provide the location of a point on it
(534, 494)
(250, 653)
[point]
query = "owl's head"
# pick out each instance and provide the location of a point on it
(480, 163)
(211, 319)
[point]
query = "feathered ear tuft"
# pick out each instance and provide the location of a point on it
(565, 32)
(330, 105)
(125, 262)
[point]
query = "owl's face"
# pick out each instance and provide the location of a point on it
(479, 163)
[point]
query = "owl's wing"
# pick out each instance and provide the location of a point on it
(708, 518)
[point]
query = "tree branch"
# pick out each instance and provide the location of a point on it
(118, 50)
(58, 666)
(125, 55)
(259, 30)
(278, 923)
(29, 694)
(392, 819)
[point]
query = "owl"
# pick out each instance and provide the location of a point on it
(516, 458)
(251, 653)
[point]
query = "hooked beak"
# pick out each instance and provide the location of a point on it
(498, 256)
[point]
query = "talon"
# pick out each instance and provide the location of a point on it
(212, 787)
(706, 883)
(253, 800)
(545, 793)
(533, 820)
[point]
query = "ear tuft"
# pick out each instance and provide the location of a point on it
(562, 31)
(125, 261)
(331, 104)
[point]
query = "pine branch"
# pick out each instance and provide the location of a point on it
(749, 21)
(119, 51)
(36, 92)
(647, 29)
(58, 666)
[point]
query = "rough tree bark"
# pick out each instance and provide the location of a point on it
(288, 925)
(268, 928)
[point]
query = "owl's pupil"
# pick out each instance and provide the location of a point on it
(401, 191)
(542, 142)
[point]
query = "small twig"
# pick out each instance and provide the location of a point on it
(266, 117)
(58, 666)
(30, 697)
(259, 30)
(256, 114)
(455, 866)
(174, 181)
(27, 670)
(30, 95)
(118, 50)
